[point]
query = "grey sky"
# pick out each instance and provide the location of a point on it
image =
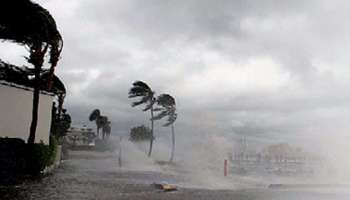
(268, 69)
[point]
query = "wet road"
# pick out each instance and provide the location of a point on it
(87, 175)
(90, 175)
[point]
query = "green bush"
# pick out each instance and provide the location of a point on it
(53, 149)
(140, 133)
(37, 158)
(18, 158)
(40, 156)
(12, 158)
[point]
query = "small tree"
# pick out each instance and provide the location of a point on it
(101, 121)
(61, 124)
(140, 133)
(142, 90)
(167, 108)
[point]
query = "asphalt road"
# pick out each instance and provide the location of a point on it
(91, 175)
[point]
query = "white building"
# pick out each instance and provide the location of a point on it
(16, 113)
(16, 102)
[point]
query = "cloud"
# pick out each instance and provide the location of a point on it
(268, 69)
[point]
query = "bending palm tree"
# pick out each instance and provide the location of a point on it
(142, 90)
(168, 108)
(106, 130)
(27, 23)
(101, 121)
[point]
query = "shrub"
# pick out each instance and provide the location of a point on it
(140, 133)
(53, 149)
(18, 158)
(40, 156)
(37, 158)
(12, 158)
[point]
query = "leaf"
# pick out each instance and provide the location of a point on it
(141, 89)
(94, 114)
(27, 23)
(160, 115)
(166, 100)
(158, 109)
(142, 101)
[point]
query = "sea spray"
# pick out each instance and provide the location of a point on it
(199, 162)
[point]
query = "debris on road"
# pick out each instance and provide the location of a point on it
(165, 187)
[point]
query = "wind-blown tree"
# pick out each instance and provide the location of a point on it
(28, 24)
(101, 121)
(144, 92)
(106, 129)
(167, 108)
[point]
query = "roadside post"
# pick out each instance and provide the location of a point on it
(225, 167)
(120, 152)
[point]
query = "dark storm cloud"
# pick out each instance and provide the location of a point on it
(269, 69)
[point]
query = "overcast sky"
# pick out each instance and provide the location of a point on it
(272, 70)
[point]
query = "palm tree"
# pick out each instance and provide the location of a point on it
(167, 108)
(101, 121)
(142, 90)
(106, 130)
(28, 24)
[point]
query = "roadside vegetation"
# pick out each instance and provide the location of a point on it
(145, 94)
(20, 160)
(28, 24)
(167, 108)
(140, 133)
(162, 106)
(102, 122)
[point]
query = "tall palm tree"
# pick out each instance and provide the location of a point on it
(101, 121)
(28, 24)
(146, 95)
(167, 108)
(106, 130)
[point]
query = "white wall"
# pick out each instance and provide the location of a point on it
(16, 114)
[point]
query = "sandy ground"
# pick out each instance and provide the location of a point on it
(91, 175)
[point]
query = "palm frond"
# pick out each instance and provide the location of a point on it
(167, 107)
(150, 104)
(102, 121)
(27, 23)
(172, 118)
(137, 92)
(141, 101)
(133, 104)
(139, 88)
(94, 114)
(160, 115)
(141, 84)
(142, 90)
(158, 109)
(166, 100)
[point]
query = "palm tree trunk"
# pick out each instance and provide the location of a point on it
(97, 131)
(60, 105)
(36, 93)
(152, 137)
(173, 143)
(37, 59)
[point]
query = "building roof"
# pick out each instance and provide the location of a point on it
(24, 76)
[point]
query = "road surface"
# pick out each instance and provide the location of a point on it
(91, 175)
